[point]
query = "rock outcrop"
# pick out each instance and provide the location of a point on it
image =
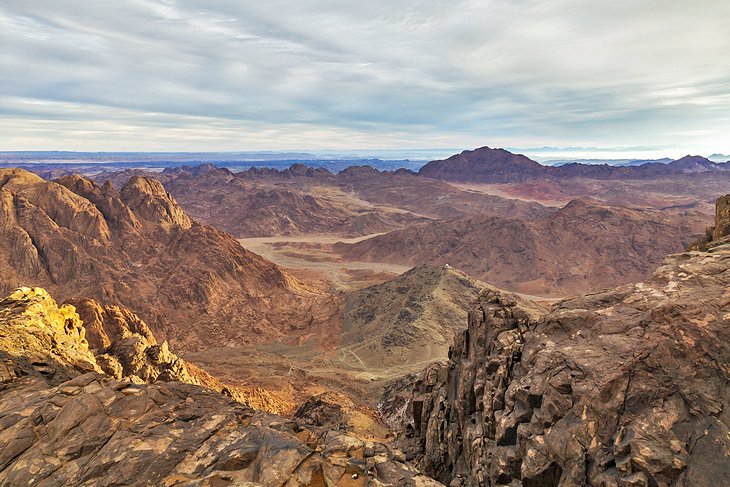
(625, 387)
(62, 422)
(721, 229)
(39, 338)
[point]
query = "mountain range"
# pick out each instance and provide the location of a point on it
(486, 165)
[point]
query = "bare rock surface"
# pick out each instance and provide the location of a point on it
(625, 387)
(62, 422)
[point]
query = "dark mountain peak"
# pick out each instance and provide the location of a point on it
(693, 164)
(148, 199)
(484, 165)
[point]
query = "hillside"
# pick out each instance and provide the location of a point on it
(411, 320)
(192, 284)
(583, 247)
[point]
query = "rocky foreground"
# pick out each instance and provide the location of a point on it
(625, 387)
(64, 422)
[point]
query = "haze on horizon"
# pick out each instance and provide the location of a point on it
(623, 78)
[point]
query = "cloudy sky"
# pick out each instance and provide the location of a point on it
(642, 77)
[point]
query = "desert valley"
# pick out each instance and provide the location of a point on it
(334, 299)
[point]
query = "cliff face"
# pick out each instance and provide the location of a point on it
(626, 387)
(63, 422)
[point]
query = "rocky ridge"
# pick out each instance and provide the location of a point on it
(136, 248)
(625, 387)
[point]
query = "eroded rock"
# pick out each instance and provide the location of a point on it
(623, 387)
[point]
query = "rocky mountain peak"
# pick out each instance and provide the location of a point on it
(51, 205)
(484, 165)
(693, 163)
(149, 200)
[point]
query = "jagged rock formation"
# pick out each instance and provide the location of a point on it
(37, 337)
(720, 229)
(585, 246)
(137, 248)
(626, 387)
(65, 423)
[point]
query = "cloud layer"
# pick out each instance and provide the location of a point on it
(292, 74)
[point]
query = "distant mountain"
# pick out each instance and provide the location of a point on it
(719, 158)
(486, 165)
(139, 249)
(694, 164)
(610, 162)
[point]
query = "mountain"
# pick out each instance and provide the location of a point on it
(583, 247)
(66, 423)
(485, 165)
(623, 387)
(137, 248)
(719, 158)
(411, 320)
(694, 164)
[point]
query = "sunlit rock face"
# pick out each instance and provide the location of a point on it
(63, 422)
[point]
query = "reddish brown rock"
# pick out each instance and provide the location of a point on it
(137, 249)
(623, 387)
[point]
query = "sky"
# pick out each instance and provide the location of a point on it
(620, 78)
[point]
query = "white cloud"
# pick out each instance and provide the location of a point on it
(285, 74)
